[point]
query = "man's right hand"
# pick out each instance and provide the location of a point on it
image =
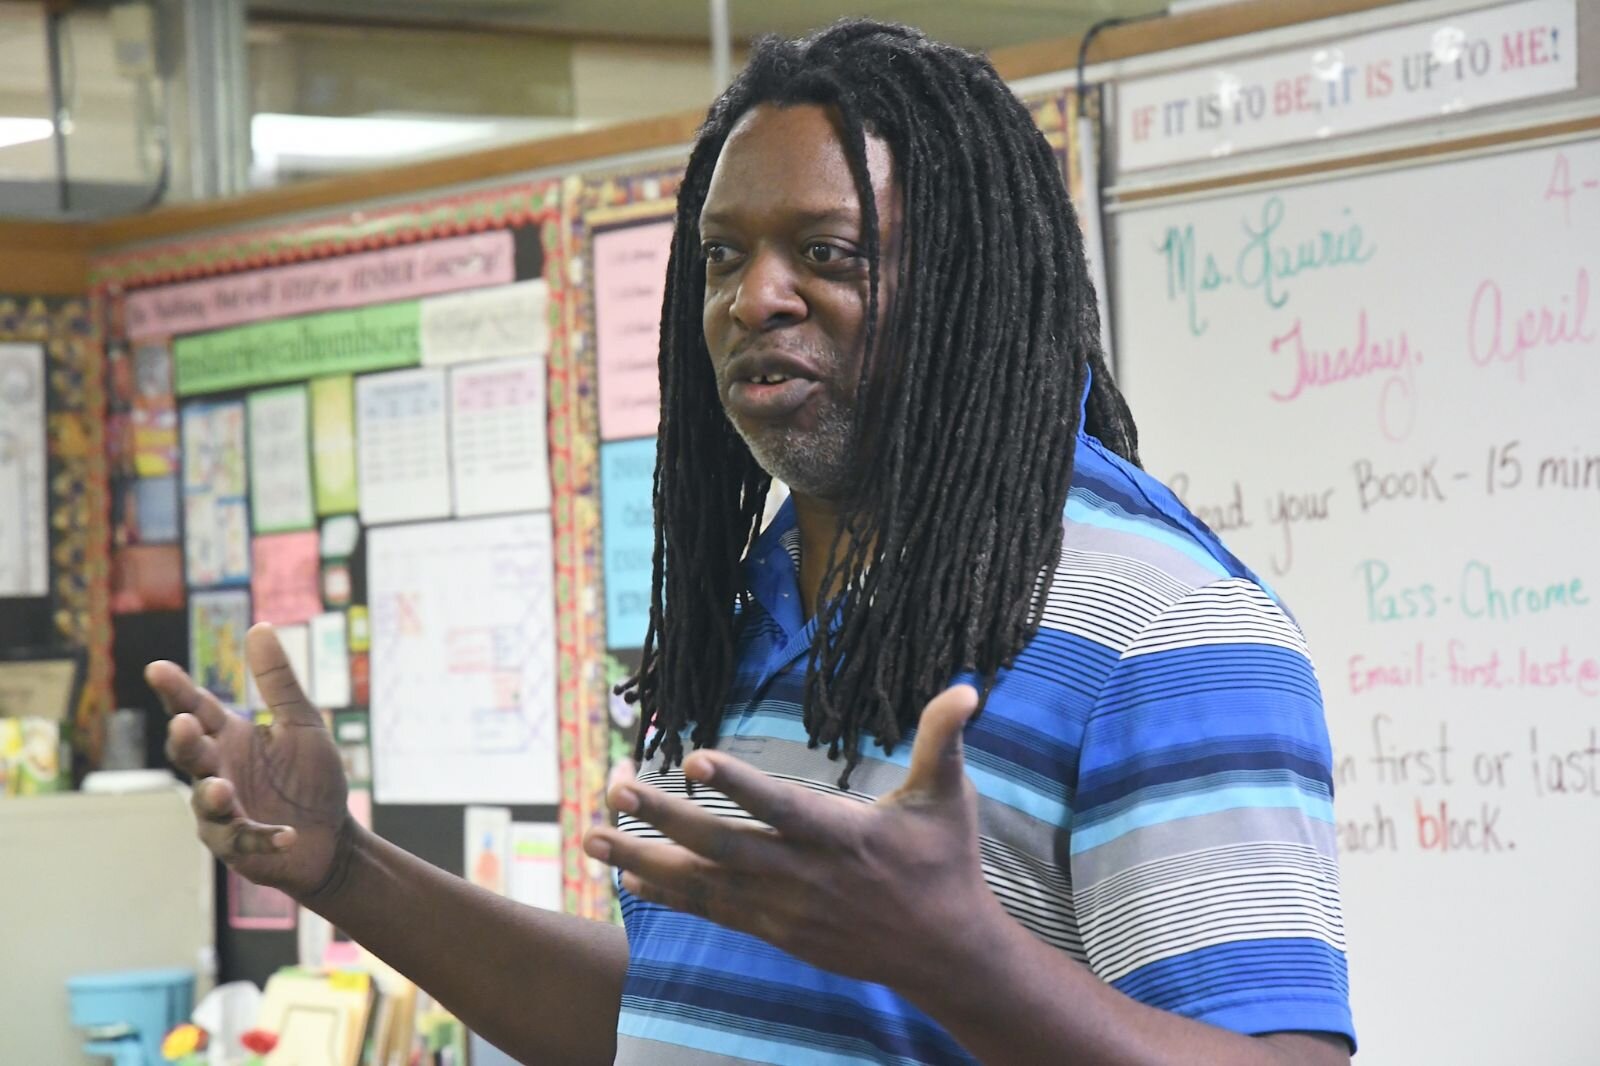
(269, 800)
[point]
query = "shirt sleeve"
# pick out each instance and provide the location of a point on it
(1203, 851)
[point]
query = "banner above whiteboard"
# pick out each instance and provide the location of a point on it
(1425, 70)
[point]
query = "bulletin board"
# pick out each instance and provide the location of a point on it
(366, 312)
(72, 608)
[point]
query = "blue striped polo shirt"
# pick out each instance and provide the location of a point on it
(1155, 799)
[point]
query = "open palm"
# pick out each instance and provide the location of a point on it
(269, 800)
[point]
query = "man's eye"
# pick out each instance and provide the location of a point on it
(713, 252)
(827, 254)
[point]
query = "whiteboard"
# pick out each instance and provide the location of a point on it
(1384, 393)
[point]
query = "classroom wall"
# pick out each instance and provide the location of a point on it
(592, 202)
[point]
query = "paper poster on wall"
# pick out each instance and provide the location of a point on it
(155, 505)
(152, 372)
(24, 500)
(1442, 66)
(463, 661)
(218, 622)
(216, 541)
(296, 644)
(330, 661)
(216, 518)
(146, 577)
(404, 463)
(358, 280)
(359, 626)
(144, 511)
(497, 437)
(154, 417)
(294, 349)
(505, 322)
(486, 836)
(253, 906)
(340, 535)
(280, 460)
(155, 440)
(536, 864)
(213, 448)
(286, 578)
(627, 474)
(630, 279)
(360, 679)
(333, 444)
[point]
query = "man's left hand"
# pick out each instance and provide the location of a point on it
(874, 891)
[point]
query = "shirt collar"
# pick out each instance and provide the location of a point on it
(772, 570)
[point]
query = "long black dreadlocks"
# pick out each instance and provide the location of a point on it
(971, 413)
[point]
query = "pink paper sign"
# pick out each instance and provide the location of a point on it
(285, 582)
(630, 277)
(346, 281)
(252, 906)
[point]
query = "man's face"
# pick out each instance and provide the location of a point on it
(787, 288)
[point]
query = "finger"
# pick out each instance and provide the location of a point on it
(180, 695)
(621, 774)
(668, 874)
(275, 679)
(226, 829)
(937, 763)
(795, 812)
(719, 839)
(213, 800)
(696, 900)
(190, 750)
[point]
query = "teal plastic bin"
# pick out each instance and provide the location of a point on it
(150, 1002)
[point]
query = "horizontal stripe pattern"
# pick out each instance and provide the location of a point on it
(1154, 800)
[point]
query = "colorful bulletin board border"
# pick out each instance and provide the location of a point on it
(361, 279)
(80, 511)
(575, 463)
(363, 229)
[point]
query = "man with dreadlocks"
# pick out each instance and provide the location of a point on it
(877, 293)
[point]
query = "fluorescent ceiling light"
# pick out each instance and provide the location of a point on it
(320, 142)
(360, 138)
(23, 130)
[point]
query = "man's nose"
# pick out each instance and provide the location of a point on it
(768, 295)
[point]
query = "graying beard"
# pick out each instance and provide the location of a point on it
(817, 464)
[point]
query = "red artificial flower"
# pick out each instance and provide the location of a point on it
(259, 1041)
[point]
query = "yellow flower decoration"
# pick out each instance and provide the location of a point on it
(186, 1039)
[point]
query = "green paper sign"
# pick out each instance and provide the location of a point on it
(333, 444)
(294, 349)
